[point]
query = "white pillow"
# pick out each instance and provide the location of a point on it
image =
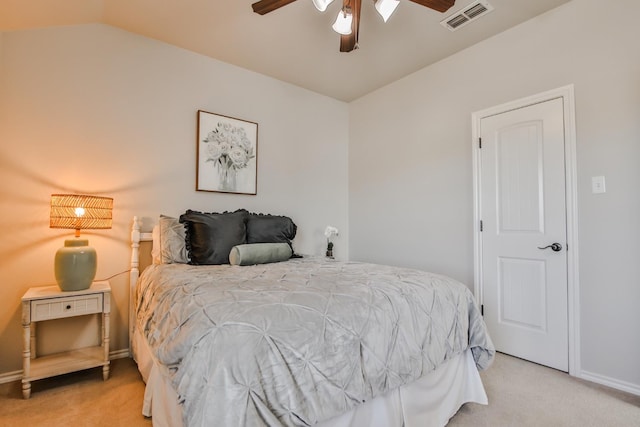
(171, 238)
(155, 248)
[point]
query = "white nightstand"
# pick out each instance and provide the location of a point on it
(49, 302)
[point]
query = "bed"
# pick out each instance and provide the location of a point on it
(304, 341)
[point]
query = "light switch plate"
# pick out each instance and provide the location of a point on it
(597, 185)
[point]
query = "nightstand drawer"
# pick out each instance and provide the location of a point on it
(57, 308)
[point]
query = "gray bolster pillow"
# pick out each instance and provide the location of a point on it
(259, 253)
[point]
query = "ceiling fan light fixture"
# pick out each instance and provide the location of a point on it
(347, 23)
(343, 22)
(386, 8)
(321, 5)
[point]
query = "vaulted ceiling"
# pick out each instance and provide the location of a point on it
(294, 43)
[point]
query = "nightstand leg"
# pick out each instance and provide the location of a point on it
(26, 389)
(26, 360)
(34, 349)
(105, 344)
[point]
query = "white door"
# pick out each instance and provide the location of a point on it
(524, 232)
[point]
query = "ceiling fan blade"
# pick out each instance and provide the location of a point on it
(350, 42)
(266, 6)
(439, 5)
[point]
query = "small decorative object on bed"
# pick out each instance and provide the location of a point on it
(329, 232)
(227, 150)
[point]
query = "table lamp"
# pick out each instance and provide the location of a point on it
(76, 262)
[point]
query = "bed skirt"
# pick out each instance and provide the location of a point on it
(428, 402)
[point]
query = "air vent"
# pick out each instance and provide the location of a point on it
(467, 14)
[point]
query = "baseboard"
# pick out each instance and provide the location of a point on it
(11, 377)
(611, 382)
(119, 354)
(17, 375)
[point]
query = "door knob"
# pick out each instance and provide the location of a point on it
(556, 247)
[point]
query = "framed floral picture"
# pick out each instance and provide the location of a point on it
(227, 154)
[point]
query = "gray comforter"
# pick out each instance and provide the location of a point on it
(299, 342)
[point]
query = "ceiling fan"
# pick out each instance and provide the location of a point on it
(348, 21)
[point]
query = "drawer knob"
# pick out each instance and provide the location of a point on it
(68, 306)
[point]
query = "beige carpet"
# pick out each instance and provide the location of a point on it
(525, 394)
(78, 399)
(520, 394)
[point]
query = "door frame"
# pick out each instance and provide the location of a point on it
(573, 288)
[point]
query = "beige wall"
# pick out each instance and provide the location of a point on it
(415, 207)
(97, 110)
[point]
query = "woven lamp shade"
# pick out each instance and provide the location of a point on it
(97, 211)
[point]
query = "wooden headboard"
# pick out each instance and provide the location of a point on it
(136, 238)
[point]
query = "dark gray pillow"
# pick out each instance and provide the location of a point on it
(209, 237)
(270, 229)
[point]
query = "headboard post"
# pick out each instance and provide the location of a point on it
(137, 236)
(133, 277)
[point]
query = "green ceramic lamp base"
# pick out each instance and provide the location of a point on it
(75, 265)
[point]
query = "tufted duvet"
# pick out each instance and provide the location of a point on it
(301, 341)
